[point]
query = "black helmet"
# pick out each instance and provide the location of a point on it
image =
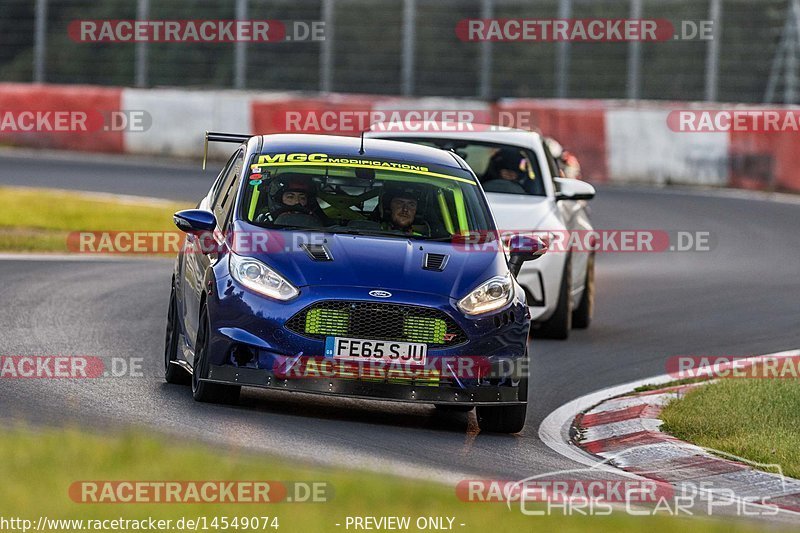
(290, 182)
(401, 190)
(505, 159)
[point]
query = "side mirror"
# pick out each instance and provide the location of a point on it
(570, 189)
(524, 248)
(195, 221)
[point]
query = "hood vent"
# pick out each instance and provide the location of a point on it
(318, 252)
(435, 262)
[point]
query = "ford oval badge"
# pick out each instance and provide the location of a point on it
(380, 294)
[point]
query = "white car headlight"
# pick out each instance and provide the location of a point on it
(489, 296)
(258, 277)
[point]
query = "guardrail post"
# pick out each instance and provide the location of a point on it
(240, 51)
(634, 84)
(140, 60)
(326, 49)
(485, 65)
(409, 36)
(712, 51)
(39, 41)
(563, 54)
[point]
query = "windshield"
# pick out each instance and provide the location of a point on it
(361, 196)
(500, 167)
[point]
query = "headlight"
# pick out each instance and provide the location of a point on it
(492, 295)
(258, 277)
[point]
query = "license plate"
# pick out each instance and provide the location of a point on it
(368, 350)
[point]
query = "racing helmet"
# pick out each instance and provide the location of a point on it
(400, 190)
(506, 158)
(291, 182)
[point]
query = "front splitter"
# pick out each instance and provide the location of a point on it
(367, 389)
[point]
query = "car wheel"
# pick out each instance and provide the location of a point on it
(558, 325)
(203, 391)
(503, 418)
(172, 372)
(582, 315)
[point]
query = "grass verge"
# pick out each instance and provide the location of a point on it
(39, 220)
(41, 466)
(756, 419)
(676, 383)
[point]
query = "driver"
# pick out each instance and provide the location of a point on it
(507, 172)
(292, 198)
(505, 164)
(293, 194)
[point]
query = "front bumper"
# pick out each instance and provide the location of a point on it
(472, 395)
(542, 281)
(251, 346)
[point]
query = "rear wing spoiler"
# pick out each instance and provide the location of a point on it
(216, 136)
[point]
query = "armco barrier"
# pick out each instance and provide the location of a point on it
(274, 116)
(641, 148)
(45, 101)
(765, 161)
(616, 141)
(180, 118)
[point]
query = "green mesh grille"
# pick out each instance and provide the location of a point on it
(427, 330)
(378, 321)
(327, 322)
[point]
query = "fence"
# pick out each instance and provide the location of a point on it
(410, 47)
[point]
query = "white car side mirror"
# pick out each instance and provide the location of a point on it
(571, 189)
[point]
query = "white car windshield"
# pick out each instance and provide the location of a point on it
(501, 168)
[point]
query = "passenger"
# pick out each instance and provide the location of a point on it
(400, 209)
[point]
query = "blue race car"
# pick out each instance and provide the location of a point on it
(331, 265)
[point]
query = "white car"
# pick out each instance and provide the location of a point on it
(560, 286)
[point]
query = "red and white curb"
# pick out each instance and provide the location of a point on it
(619, 431)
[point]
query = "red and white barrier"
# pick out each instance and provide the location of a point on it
(30, 115)
(616, 141)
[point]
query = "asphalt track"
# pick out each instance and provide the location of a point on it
(740, 298)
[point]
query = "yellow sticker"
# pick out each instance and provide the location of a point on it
(317, 159)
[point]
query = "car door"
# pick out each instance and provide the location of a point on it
(573, 215)
(195, 261)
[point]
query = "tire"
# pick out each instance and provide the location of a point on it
(558, 325)
(582, 315)
(449, 408)
(173, 373)
(504, 418)
(203, 391)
